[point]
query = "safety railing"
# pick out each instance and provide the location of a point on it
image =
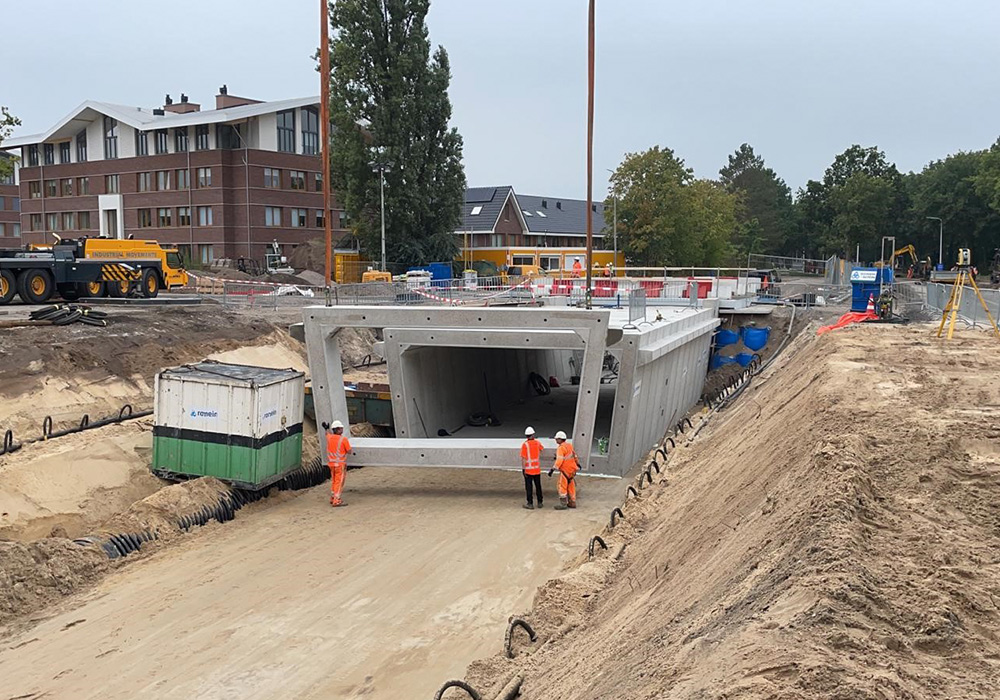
(969, 309)
(683, 289)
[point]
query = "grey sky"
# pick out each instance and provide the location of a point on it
(798, 79)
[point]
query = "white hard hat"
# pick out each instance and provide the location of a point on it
(336, 424)
(560, 435)
(529, 430)
(577, 258)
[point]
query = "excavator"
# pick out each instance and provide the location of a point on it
(918, 269)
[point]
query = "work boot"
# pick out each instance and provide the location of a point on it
(528, 506)
(539, 504)
(571, 504)
(337, 503)
(562, 504)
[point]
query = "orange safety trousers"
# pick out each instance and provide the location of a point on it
(337, 472)
(567, 488)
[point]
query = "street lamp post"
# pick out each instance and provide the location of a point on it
(940, 239)
(614, 229)
(380, 168)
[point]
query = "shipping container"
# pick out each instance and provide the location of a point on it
(238, 423)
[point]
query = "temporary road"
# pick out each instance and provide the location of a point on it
(386, 598)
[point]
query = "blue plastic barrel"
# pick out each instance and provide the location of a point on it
(718, 361)
(744, 358)
(726, 337)
(755, 338)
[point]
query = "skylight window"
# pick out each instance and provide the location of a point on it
(544, 216)
(476, 211)
(526, 212)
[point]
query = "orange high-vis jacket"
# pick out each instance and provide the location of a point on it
(337, 449)
(577, 268)
(531, 457)
(566, 460)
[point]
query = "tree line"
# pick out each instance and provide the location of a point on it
(667, 216)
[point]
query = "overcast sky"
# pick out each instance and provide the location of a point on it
(800, 80)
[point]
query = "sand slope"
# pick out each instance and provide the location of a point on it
(836, 535)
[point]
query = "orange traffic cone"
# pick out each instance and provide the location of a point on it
(871, 304)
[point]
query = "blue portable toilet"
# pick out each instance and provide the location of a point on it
(866, 282)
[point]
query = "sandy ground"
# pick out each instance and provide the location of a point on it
(384, 599)
(834, 535)
(71, 484)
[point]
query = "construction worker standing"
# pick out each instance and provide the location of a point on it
(577, 267)
(531, 463)
(337, 449)
(568, 466)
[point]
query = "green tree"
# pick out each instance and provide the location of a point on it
(861, 198)
(666, 216)
(389, 104)
(766, 213)
(7, 124)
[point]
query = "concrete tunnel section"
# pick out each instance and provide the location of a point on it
(447, 363)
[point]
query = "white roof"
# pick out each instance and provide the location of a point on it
(145, 120)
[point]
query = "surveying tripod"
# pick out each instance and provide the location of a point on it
(955, 300)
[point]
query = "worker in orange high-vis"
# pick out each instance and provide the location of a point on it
(568, 466)
(531, 463)
(577, 267)
(337, 449)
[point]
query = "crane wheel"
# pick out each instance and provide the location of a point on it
(8, 286)
(35, 286)
(150, 283)
(117, 288)
(93, 289)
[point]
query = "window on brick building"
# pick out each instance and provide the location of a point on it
(181, 140)
(81, 147)
(111, 184)
(183, 216)
(64, 151)
(50, 153)
(300, 218)
(110, 138)
(161, 141)
(145, 218)
(35, 222)
(67, 187)
(204, 216)
(33, 155)
(163, 217)
(84, 220)
(83, 185)
(162, 180)
(35, 189)
(310, 131)
(297, 179)
(286, 131)
(272, 178)
(51, 188)
(52, 220)
(145, 182)
(183, 179)
(204, 177)
(141, 143)
(201, 137)
(272, 216)
(68, 221)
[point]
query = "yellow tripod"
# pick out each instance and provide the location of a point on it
(955, 300)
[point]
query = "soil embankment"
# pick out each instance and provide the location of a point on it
(833, 535)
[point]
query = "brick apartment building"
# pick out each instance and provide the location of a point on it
(10, 210)
(215, 183)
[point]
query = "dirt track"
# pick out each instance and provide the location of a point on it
(384, 599)
(835, 535)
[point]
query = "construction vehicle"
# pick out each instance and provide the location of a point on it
(918, 269)
(373, 275)
(89, 267)
(274, 262)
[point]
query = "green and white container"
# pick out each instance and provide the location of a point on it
(238, 423)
